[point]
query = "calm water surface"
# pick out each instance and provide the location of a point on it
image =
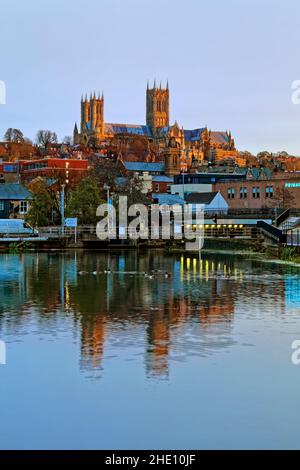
(201, 359)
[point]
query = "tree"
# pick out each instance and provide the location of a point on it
(133, 189)
(84, 200)
(45, 138)
(105, 171)
(14, 136)
(68, 140)
(40, 213)
(282, 198)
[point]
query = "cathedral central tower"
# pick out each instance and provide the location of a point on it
(157, 106)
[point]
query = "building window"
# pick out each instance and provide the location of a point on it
(230, 193)
(243, 193)
(269, 191)
(256, 192)
(1, 206)
(23, 207)
(157, 188)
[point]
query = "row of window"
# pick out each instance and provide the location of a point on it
(36, 166)
(255, 192)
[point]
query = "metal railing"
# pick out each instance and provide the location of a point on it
(271, 231)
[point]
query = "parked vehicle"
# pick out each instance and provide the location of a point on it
(14, 227)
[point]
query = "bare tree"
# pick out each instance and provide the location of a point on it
(282, 199)
(44, 138)
(68, 140)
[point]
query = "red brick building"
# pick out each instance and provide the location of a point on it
(54, 168)
(281, 190)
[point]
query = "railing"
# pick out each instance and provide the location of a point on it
(271, 231)
(282, 217)
(293, 238)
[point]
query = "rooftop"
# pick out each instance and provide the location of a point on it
(14, 192)
(200, 198)
(145, 166)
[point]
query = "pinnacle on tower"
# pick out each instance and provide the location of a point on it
(154, 85)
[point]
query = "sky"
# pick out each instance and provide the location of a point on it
(230, 64)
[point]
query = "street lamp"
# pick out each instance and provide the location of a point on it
(62, 198)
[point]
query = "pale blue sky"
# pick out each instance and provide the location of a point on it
(230, 64)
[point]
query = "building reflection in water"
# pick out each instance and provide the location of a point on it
(179, 314)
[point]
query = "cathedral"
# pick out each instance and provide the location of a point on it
(179, 148)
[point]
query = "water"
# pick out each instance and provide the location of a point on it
(200, 359)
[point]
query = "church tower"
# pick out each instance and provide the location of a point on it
(172, 157)
(92, 117)
(157, 106)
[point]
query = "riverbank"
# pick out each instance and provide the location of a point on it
(247, 249)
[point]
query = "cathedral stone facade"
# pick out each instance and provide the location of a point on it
(161, 139)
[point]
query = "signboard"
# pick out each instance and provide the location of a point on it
(71, 222)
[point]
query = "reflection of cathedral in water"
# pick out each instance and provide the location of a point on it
(190, 312)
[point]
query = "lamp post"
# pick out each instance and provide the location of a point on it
(62, 207)
(62, 199)
(107, 188)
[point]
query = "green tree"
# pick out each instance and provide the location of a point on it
(14, 136)
(40, 213)
(83, 201)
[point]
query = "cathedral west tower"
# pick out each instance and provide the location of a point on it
(157, 106)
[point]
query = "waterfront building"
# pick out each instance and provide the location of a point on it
(279, 190)
(214, 202)
(15, 201)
